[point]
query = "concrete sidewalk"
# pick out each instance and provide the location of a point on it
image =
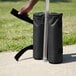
(27, 66)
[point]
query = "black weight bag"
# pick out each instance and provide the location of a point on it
(38, 30)
(38, 34)
(55, 48)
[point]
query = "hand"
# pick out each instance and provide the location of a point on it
(25, 9)
(28, 7)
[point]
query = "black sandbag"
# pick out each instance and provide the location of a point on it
(38, 34)
(55, 48)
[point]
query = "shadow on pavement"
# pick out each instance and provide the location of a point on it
(25, 58)
(67, 58)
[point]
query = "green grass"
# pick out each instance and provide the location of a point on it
(16, 34)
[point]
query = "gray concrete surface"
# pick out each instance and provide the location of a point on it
(27, 66)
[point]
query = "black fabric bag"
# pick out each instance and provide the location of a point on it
(38, 34)
(55, 48)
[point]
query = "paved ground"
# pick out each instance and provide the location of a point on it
(27, 66)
